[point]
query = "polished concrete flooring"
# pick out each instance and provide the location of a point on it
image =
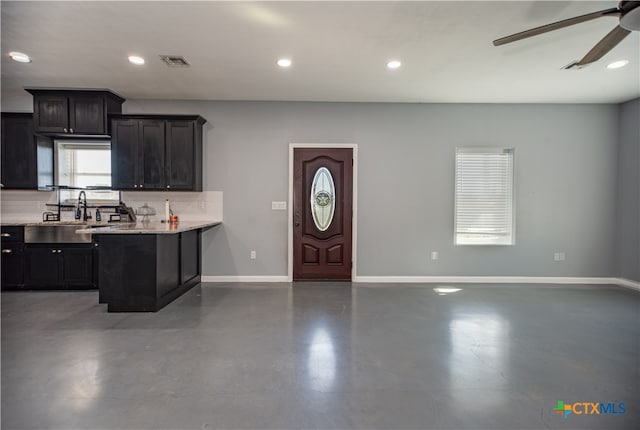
(319, 355)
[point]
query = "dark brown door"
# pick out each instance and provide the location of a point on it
(322, 213)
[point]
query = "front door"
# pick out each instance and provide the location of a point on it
(322, 213)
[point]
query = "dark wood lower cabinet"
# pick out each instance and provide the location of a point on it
(145, 272)
(59, 266)
(12, 266)
(12, 239)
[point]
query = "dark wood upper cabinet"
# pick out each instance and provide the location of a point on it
(156, 152)
(68, 112)
(27, 160)
(125, 154)
(182, 149)
(152, 158)
(19, 165)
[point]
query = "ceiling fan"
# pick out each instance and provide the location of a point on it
(629, 16)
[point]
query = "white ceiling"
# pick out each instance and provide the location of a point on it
(339, 50)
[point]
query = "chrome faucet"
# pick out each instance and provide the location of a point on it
(83, 202)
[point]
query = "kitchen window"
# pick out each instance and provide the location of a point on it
(85, 164)
(484, 196)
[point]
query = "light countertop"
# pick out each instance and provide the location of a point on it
(153, 227)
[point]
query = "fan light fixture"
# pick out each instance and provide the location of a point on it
(284, 62)
(627, 12)
(617, 64)
(19, 57)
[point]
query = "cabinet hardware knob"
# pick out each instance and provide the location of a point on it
(141, 185)
(53, 251)
(66, 131)
(168, 186)
(71, 130)
(135, 186)
(59, 251)
(6, 235)
(95, 244)
(7, 251)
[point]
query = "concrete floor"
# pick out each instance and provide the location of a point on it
(324, 356)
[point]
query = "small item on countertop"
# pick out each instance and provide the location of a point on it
(78, 213)
(167, 210)
(128, 211)
(145, 210)
(50, 216)
(173, 219)
(98, 215)
(114, 218)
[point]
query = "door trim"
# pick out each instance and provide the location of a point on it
(354, 225)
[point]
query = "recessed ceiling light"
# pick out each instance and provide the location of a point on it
(284, 62)
(19, 57)
(617, 64)
(134, 59)
(444, 290)
(394, 64)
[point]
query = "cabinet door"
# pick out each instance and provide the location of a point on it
(51, 113)
(86, 114)
(153, 154)
(42, 267)
(125, 154)
(12, 265)
(77, 266)
(189, 255)
(181, 155)
(19, 164)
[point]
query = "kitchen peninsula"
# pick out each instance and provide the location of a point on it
(144, 266)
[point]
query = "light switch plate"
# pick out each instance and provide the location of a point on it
(279, 206)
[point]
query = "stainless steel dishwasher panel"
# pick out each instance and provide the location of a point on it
(55, 234)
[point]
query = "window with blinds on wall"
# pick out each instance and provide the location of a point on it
(484, 196)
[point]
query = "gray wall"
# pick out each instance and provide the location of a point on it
(628, 217)
(566, 158)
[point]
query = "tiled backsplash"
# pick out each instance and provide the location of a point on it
(18, 205)
(189, 206)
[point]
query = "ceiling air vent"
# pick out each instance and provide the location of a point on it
(175, 61)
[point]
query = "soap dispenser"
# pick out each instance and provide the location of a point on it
(78, 213)
(98, 215)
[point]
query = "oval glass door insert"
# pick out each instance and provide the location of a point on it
(323, 198)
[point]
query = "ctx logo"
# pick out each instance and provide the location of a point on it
(589, 408)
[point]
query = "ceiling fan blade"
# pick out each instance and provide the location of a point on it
(555, 26)
(605, 45)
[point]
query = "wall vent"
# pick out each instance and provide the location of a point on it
(175, 60)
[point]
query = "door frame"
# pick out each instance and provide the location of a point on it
(354, 221)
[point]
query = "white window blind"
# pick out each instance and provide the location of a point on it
(85, 164)
(484, 196)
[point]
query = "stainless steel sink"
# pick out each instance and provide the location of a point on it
(56, 233)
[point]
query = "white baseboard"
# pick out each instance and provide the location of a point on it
(628, 283)
(245, 279)
(485, 279)
(448, 280)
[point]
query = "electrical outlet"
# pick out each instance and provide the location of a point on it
(279, 206)
(253, 255)
(558, 256)
(434, 255)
